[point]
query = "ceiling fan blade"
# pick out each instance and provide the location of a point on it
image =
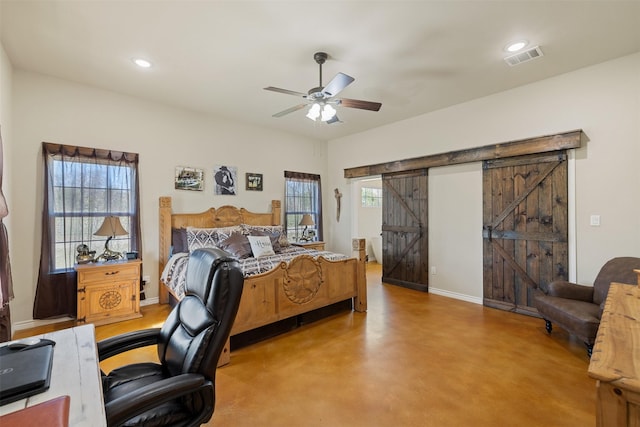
(285, 91)
(339, 82)
(363, 105)
(290, 110)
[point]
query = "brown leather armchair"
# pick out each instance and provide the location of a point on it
(577, 308)
(180, 391)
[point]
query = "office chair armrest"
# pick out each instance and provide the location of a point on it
(564, 289)
(120, 343)
(147, 397)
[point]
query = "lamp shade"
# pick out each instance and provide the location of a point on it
(111, 226)
(307, 219)
(324, 112)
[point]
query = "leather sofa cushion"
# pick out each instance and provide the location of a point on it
(579, 317)
(618, 270)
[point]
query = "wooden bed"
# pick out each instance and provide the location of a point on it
(282, 292)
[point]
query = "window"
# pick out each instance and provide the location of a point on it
(303, 195)
(83, 193)
(371, 197)
(82, 186)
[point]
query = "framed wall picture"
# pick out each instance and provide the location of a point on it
(254, 181)
(189, 179)
(225, 178)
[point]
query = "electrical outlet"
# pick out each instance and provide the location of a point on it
(146, 279)
(433, 270)
(595, 221)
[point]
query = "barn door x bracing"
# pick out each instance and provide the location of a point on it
(404, 229)
(524, 228)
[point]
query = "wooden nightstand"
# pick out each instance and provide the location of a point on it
(317, 246)
(108, 292)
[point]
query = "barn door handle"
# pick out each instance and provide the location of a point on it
(489, 230)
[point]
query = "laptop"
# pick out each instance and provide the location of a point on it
(25, 372)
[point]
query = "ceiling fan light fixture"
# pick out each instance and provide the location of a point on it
(314, 111)
(328, 112)
(321, 111)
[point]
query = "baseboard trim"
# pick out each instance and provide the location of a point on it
(28, 324)
(455, 295)
(150, 301)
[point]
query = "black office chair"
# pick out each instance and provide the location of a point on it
(180, 391)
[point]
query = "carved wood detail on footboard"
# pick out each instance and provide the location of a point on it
(303, 285)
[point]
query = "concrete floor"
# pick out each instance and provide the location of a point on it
(414, 359)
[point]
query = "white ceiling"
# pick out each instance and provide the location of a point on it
(217, 56)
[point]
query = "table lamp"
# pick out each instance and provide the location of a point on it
(111, 227)
(306, 220)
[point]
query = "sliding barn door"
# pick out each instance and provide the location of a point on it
(524, 228)
(404, 230)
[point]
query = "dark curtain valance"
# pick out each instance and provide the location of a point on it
(89, 153)
(301, 175)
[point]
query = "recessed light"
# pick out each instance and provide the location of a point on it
(142, 63)
(516, 46)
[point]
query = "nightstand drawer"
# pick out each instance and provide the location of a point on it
(109, 273)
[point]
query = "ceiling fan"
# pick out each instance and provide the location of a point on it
(321, 98)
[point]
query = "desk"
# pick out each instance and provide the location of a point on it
(615, 362)
(75, 373)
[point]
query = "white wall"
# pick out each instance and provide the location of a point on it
(455, 220)
(53, 110)
(602, 100)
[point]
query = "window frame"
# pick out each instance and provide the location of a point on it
(62, 250)
(293, 211)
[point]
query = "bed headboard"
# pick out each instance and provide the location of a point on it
(223, 216)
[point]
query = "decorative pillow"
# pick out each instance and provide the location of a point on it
(284, 242)
(237, 245)
(208, 237)
(273, 236)
(260, 246)
(179, 240)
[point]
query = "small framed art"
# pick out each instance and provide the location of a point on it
(189, 179)
(254, 181)
(225, 178)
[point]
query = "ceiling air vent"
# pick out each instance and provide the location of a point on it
(524, 56)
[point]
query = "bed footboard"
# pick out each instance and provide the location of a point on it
(303, 285)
